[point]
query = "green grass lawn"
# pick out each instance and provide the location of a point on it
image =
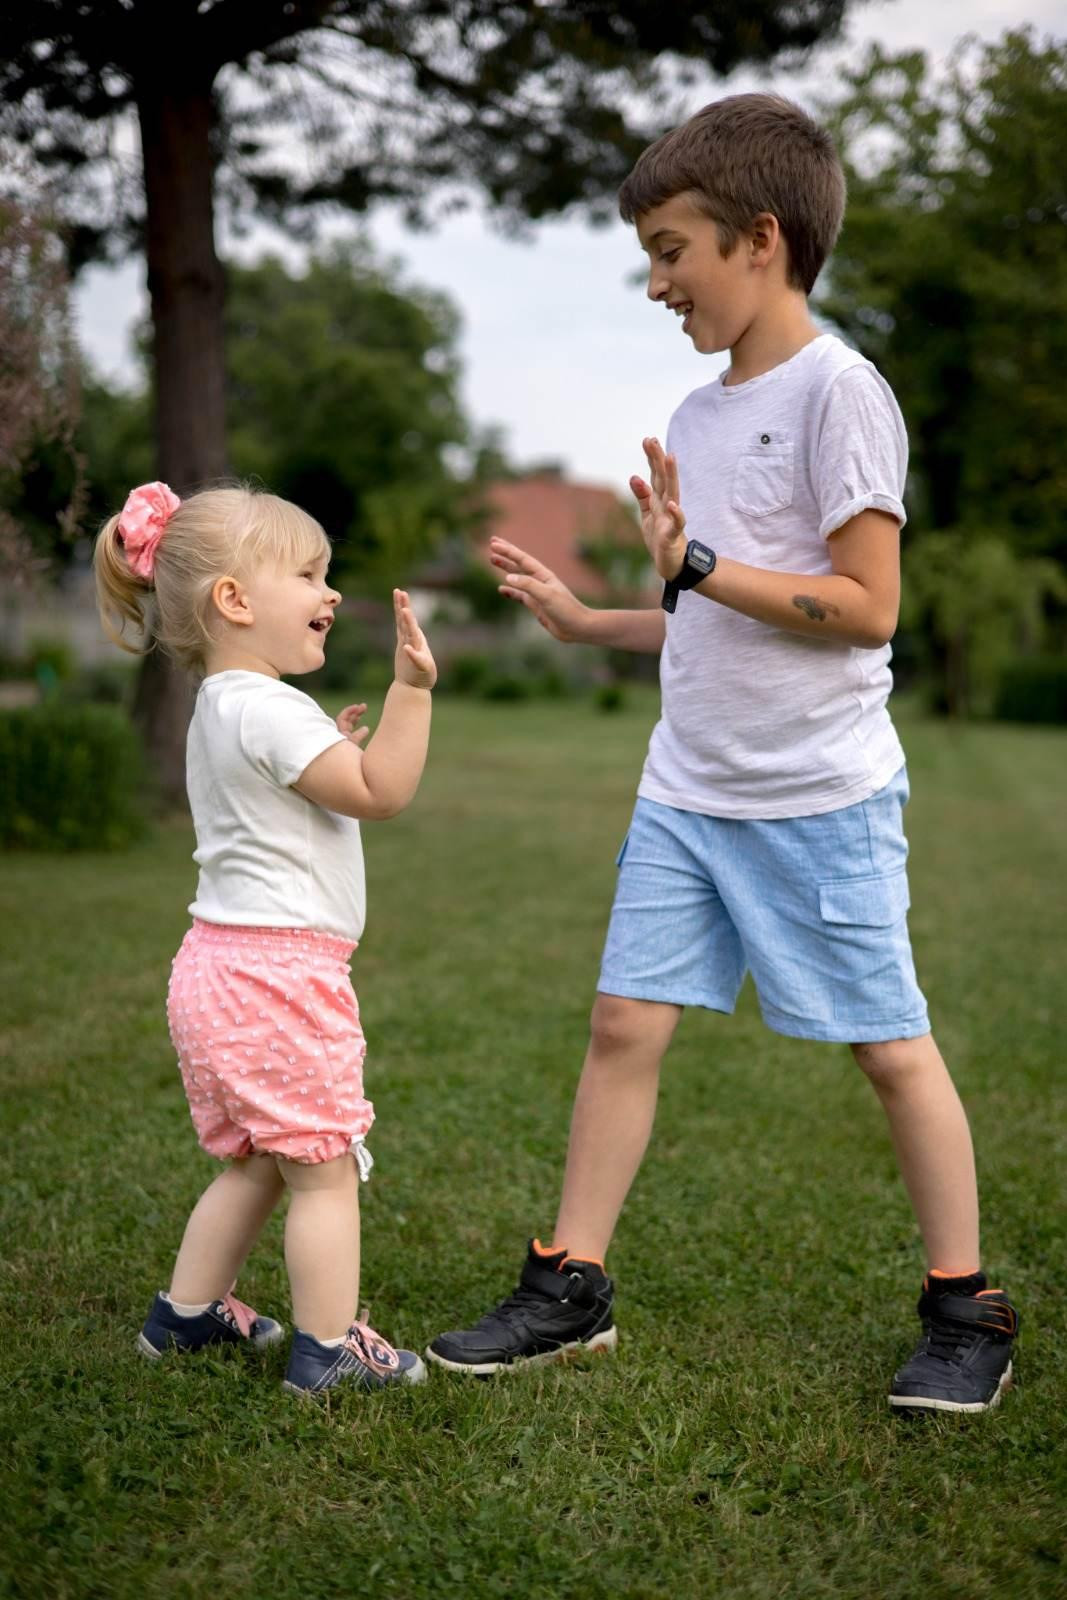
(739, 1444)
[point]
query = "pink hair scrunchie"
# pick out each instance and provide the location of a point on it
(143, 522)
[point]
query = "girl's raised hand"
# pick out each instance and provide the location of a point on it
(347, 722)
(414, 663)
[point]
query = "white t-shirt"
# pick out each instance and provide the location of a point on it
(757, 721)
(268, 857)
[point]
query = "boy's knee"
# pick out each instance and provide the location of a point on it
(888, 1062)
(619, 1025)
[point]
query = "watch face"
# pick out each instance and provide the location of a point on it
(700, 556)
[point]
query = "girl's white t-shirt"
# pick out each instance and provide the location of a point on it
(268, 857)
(758, 722)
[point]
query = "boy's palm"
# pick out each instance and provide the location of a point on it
(528, 580)
(662, 518)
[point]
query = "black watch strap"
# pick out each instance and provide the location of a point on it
(699, 564)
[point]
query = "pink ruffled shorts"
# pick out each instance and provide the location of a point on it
(266, 1026)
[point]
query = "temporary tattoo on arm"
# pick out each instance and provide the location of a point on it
(816, 610)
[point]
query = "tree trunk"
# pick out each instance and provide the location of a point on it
(186, 288)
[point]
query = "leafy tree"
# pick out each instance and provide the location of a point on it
(342, 386)
(39, 396)
(978, 605)
(282, 107)
(951, 274)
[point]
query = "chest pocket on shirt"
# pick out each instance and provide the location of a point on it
(763, 477)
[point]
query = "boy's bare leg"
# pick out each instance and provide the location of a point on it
(614, 1109)
(322, 1244)
(932, 1140)
(225, 1223)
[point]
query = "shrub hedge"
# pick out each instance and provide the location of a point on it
(71, 778)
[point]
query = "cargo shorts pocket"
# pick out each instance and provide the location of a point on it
(866, 902)
(865, 934)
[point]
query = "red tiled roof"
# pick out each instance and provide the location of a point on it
(552, 519)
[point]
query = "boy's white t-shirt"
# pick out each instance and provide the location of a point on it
(268, 857)
(758, 722)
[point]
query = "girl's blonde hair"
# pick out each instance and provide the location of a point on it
(213, 534)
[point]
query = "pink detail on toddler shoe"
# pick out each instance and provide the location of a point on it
(370, 1348)
(243, 1315)
(266, 1026)
(143, 522)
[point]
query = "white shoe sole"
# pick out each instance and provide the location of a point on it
(600, 1344)
(918, 1402)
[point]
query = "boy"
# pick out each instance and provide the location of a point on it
(767, 832)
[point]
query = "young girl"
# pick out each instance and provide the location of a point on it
(261, 1009)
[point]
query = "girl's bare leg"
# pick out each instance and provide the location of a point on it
(225, 1223)
(322, 1244)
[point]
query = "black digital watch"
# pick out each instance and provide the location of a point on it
(699, 564)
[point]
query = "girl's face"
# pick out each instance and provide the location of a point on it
(290, 609)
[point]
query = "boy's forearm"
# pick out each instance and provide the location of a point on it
(394, 758)
(639, 631)
(828, 607)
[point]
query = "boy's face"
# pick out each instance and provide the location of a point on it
(716, 296)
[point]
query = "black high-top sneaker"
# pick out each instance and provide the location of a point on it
(963, 1360)
(560, 1307)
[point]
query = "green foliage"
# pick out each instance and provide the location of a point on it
(343, 398)
(50, 660)
(974, 603)
(507, 674)
(1033, 689)
(105, 683)
(610, 697)
(70, 778)
(951, 274)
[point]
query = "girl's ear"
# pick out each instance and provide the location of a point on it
(231, 602)
(764, 239)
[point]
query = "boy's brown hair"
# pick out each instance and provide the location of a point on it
(743, 155)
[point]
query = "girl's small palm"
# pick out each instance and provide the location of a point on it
(413, 663)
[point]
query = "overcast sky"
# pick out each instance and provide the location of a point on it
(559, 347)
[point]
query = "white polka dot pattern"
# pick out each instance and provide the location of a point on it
(276, 992)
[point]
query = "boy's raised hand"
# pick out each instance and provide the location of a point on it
(413, 663)
(662, 518)
(536, 586)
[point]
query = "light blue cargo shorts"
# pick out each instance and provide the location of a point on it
(814, 907)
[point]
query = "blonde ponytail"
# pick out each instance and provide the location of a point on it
(121, 596)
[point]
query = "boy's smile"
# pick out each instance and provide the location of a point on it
(716, 296)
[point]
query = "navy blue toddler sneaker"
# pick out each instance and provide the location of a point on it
(364, 1360)
(228, 1321)
(963, 1360)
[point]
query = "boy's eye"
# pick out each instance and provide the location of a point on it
(670, 255)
